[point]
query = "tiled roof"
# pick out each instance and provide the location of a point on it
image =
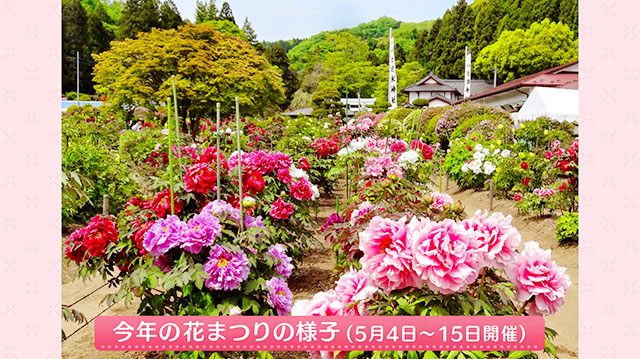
(552, 77)
(448, 85)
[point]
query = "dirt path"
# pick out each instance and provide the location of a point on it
(542, 230)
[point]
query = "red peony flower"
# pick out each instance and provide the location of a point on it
(253, 182)
(281, 209)
(565, 166)
(562, 187)
(138, 236)
(548, 155)
(74, 249)
(304, 164)
(524, 165)
(427, 152)
(200, 178)
(469, 148)
(99, 233)
(525, 181)
(301, 189)
(210, 155)
(161, 205)
(517, 197)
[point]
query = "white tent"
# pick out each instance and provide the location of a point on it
(557, 104)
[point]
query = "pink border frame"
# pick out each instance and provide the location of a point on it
(29, 178)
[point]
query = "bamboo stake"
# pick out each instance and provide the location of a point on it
(491, 194)
(170, 155)
(218, 150)
(239, 163)
(175, 110)
(105, 205)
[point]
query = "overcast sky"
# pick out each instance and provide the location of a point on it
(286, 19)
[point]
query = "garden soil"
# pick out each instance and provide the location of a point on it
(315, 273)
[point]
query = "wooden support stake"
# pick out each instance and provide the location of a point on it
(105, 205)
(491, 194)
(239, 164)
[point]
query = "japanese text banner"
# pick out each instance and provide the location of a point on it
(248, 333)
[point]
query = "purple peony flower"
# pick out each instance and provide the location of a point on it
(283, 261)
(279, 296)
(202, 231)
(218, 207)
(227, 269)
(250, 221)
(165, 234)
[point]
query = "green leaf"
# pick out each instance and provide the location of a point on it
(518, 354)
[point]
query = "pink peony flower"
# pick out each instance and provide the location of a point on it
(496, 239)
(284, 175)
(322, 304)
(387, 254)
(536, 275)
(301, 189)
(354, 287)
(439, 200)
(281, 209)
(443, 255)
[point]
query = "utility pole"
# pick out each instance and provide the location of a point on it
(78, 78)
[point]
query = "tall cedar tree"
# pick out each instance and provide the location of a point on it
(98, 37)
(170, 16)
(74, 38)
(278, 57)
(226, 13)
(138, 16)
(250, 32)
(206, 11)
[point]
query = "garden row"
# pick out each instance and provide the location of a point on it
(204, 229)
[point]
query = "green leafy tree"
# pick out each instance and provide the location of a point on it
(226, 13)
(138, 16)
(226, 27)
(326, 101)
(209, 67)
(519, 53)
(206, 11)
(169, 15)
(74, 38)
(278, 57)
(568, 14)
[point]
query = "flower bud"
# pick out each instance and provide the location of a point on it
(457, 207)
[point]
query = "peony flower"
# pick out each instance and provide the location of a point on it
(279, 296)
(495, 238)
(165, 234)
(163, 262)
(278, 253)
(354, 287)
(322, 304)
(250, 221)
(526, 181)
(138, 236)
(517, 197)
(537, 277)
(524, 165)
(301, 189)
(161, 204)
(333, 219)
(408, 159)
(387, 254)
(235, 310)
(98, 234)
(226, 269)
(443, 255)
(221, 209)
(202, 230)
(363, 208)
(439, 200)
(281, 209)
(74, 249)
(284, 176)
(304, 163)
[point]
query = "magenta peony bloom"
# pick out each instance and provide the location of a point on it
(333, 219)
(227, 269)
(165, 234)
(354, 287)
(164, 262)
(202, 231)
(496, 240)
(301, 189)
(279, 296)
(250, 221)
(536, 275)
(387, 254)
(443, 255)
(284, 176)
(363, 208)
(398, 147)
(439, 200)
(282, 161)
(278, 253)
(281, 209)
(322, 304)
(218, 208)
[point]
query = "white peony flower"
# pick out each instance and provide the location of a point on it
(478, 147)
(505, 153)
(488, 167)
(316, 192)
(298, 173)
(410, 157)
(465, 167)
(479, 156)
